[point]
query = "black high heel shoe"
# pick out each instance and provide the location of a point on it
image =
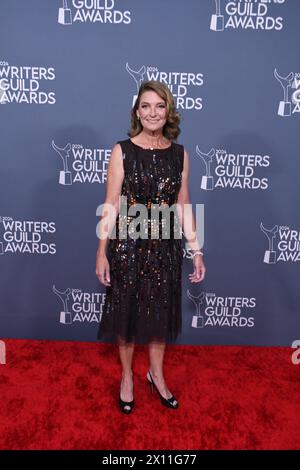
(168, 402)
(126, 406)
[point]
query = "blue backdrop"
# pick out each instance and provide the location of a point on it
(69, 74)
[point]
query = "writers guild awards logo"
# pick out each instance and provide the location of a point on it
(287, 244)
(229, 170)
(32, 237)
(198, 301)
(65, 176)
(207, 181)
(65, 315)
(64, 14)
(213, 310)
(285, 106)
(247, 14)
(81, 164)
(92, 11)
(217, 20)
(26, 84)
(79, 306)
(176, 81)
(138, 77)
(270, 253)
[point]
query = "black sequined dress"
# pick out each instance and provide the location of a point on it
(143, 302)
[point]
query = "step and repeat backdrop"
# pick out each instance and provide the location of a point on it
(69, 74)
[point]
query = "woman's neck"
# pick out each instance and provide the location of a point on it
(152, 138)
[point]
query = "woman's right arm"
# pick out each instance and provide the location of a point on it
(115, 177)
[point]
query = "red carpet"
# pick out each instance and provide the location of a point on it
(63, 395)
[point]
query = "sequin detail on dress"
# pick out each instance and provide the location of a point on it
(143, 302)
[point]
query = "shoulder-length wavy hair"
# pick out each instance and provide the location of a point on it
(171, 128)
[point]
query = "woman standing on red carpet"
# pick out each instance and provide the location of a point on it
(142, 274)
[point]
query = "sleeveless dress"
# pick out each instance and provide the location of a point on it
(143, 302)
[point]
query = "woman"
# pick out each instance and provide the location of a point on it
(143, 275)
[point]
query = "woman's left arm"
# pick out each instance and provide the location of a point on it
(187, 221)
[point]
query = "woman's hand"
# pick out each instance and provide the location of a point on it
(103, 269)
(199, 269)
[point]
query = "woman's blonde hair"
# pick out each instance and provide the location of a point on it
(171, 128)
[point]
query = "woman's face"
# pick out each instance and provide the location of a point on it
(152, 111)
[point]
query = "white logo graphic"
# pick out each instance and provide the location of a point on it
(290, 104)
(91, 11)
(79, 306)
(217, 20)
(26, 236)
(226, 170)
(270, 254)
(138, 77)
(246, 14)
(198, 301)
(181, 84)
(64, 14)
(287, 246)
(86, 165)
(26, 84)
(212, 310)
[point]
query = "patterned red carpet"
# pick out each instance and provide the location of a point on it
(63, 395)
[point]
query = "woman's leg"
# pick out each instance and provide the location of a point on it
(156, 356)
(126, 351)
